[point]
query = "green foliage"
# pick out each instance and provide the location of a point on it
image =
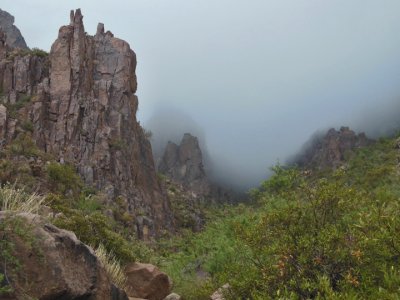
(27, 125)
(12, 228)
(12, 109)
(25, 52)
(23, 145)
(39, 52)
(95, 229)
(117, 144)
(88, 204)
(197, 262)
(19, 163)
(312, 235)
(63, 178)
(4, 285)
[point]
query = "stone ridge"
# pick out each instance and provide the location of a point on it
(184, 164)
(84, 112)
(14, 36)
(330, 150)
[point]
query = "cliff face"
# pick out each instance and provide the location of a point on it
(14, 36)
(184, 164)
(330, 150)
(83, 111)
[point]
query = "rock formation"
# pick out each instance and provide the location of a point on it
(184, 164)
(147, 281)
(187, 185)
(14, 36)
(82, 105)
(53, 263)
(330, 150)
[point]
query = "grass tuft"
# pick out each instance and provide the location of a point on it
(17, 200)
(112, 266)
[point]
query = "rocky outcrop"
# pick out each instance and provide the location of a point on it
(14, 36)
(45, 262)
(147, 281)
(187, 206)
(82, 105)
(184, 164)
(221, 292)
(330, 150)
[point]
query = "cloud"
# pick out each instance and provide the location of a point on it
(254, 79)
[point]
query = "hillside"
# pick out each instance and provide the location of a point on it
(308, 235)
(85, 213)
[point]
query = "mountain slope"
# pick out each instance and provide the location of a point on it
(79, 105)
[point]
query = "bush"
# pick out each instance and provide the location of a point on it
(311, 235)
(95, 229)
(12, 109)
(23, 145)
(63, 178)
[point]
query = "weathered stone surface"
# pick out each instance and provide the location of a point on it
(331, 149)
(147, 281)
(3, 45)
(82, 106)
(14, 36)
(54, 263)
(3, 122)
(173, 296)
(219, 294)
(93, 109)
(184, 164)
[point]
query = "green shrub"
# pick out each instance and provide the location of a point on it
(4, 285)
(95, 229)
(63, 178)
(14, 227)
(117, 144)
(23, 145)
(88, 204)
(27, 125)
(311, 235)
(39, 52)
(12, 109)
(24, 52)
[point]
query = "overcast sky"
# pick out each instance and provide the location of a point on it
(256, 78)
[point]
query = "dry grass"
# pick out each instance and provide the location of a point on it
(112, 266)
(17, 200)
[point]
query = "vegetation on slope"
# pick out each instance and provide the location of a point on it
(307, 234)
(327, 235)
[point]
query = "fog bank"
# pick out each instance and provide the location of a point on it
(254, 79)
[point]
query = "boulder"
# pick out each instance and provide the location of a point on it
(54, 264)
(173, 296)
(219, 294)
(147, 281)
